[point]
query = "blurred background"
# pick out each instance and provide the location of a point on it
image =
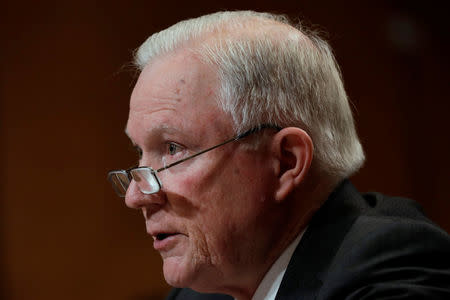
(65, 82)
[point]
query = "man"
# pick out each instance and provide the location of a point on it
(246, 141)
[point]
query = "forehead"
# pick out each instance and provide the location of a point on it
(176, 91)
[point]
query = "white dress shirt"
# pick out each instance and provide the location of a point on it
(268, 288)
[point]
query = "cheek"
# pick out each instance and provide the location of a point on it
(220, 208)
(210, 237)
(213, 221)
(227, 193)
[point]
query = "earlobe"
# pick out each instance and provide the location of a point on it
(294, 150)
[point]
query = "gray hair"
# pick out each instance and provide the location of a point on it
(271, 72)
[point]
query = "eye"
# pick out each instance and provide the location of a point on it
(173, 148)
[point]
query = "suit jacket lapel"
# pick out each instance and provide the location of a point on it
(311, 259)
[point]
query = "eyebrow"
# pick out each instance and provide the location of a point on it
(155, 131)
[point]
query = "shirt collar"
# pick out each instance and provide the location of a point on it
(268, 288)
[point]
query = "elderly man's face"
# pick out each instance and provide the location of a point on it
(208, 221)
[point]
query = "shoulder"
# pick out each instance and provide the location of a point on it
(391, 249)
(393, 221)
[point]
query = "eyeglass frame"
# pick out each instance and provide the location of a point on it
(154, 172)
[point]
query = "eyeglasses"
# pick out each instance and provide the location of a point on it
(146, 178)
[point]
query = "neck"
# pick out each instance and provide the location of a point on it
(282, 225)
(295, 217)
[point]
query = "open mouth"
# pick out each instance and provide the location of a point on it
(162, 236)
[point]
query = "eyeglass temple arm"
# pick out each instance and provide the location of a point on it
(256, 129)
(196, 154)
(238, 137)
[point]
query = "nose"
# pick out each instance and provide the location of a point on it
(134, 198)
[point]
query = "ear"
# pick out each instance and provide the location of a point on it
(294, 151)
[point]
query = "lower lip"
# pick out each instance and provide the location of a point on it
(166, 243)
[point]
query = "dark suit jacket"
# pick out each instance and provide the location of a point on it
(363, 247)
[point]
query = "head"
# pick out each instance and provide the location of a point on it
(271, 71)
(219, 216)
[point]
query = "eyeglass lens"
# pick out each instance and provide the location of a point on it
(146, 180)
(144, 177)
(120, 182)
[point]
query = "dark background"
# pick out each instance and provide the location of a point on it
(64, 88)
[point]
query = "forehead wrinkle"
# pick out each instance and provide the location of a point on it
(162, 128)
(139, 104)
(155, 131)
(161, 91)
(159, 128)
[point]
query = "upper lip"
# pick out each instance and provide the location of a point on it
(156, 226)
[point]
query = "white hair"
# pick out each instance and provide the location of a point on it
(271, 73)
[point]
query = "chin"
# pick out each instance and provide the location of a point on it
(182, 273)
(177, 273)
